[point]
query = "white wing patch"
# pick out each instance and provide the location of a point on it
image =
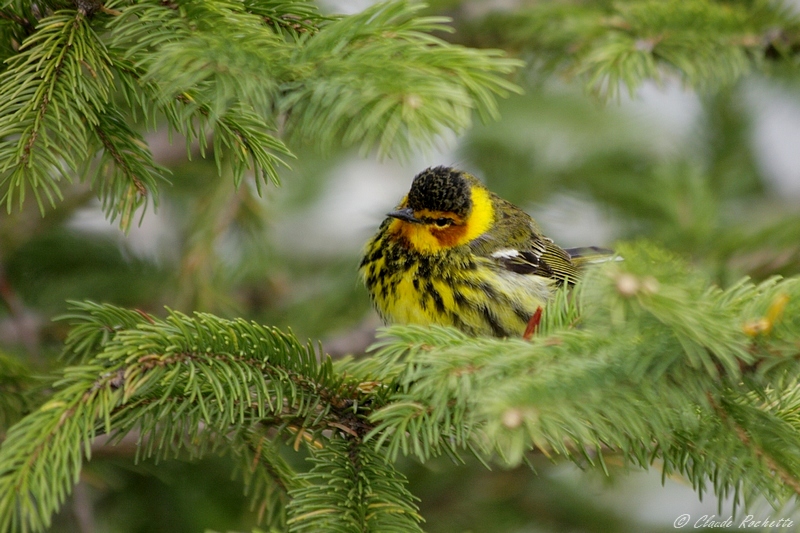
(505, 253)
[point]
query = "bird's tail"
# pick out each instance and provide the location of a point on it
(587, 255)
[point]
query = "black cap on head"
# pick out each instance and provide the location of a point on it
(441, 189)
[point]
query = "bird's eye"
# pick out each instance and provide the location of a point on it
(442, 222)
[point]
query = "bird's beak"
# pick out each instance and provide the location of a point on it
(406, 214)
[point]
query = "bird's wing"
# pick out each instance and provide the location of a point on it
(516, 244)
(560, 261)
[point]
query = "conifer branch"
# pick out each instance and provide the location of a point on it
(237, 68)
(636, 362)
(615, 47)
(292, 18)
(48, 58)
(185, 384)
(634, 378)
(642, 360)
(790, 480)
(23, 22)
(16, 384)
(132, 173)
(352, 488)
(118, 158)
(356, 94)
(267, 477)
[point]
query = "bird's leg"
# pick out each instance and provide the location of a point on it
(533, 324)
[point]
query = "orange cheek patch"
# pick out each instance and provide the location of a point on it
(449, 236)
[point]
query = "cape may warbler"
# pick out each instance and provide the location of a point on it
(455, 254)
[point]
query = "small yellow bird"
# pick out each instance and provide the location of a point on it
(455, 254)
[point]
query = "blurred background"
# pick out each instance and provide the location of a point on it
(714, 177)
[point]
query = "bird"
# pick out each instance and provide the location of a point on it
(453, 253)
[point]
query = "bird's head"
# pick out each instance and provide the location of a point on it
(444, 208)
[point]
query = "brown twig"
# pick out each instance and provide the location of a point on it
(25, 23)
(117, 156)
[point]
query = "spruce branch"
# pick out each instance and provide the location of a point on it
(789, 479)
(57, 117)
(357, 97)
(267, 477)
(641, 360)
(185, 384)
(642, 374)
(16, 387)
(125, 171)
(45, 89)
(318, 81)
(617, 46)
(352, 488)
(21, 21)
(240, 71)
(227, 56)
(292, 18)
(242, 133)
